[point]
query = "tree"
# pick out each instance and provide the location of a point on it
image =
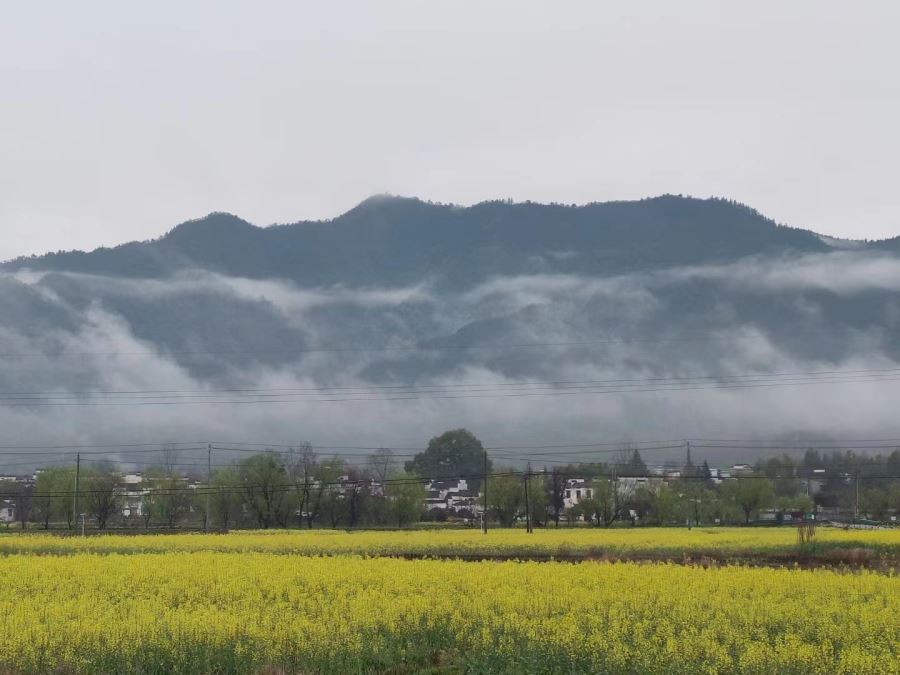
(24, 495)
(406, 493)
(661, 502)
(323, 497)
(42, 501)
(750, 493)
(556, 493)
(634, 466)
(53, 492)
(358, 496)
(537, 499)
(101, 487)
(875, 503)
(302, 470)
(608, 501)
(225, 499)
(704, 475)
(453, 454)
(506, 497)
(264, 481)
(381, 464)
(170, 498)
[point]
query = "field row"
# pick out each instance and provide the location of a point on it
(222, 612)
(512, 543)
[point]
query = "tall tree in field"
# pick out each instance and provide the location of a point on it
(324, 492)
(406, 495)
(506, 497)
(101, 487)
(750, 493)
(456, 453)
(659, 501)
(875, 502)
(53, 492)
(171, 499)
(226, 497)
(302, 466)
(24, 498)
(608, 501)
(556, 493)
(381, 464)
(537, 499)
(264, 480)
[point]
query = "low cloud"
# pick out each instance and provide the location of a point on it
(71, 333)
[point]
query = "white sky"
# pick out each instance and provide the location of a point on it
(119, 120)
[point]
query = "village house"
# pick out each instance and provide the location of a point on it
(576, 490)
(132, 495)
(7, 511)
(453, 496)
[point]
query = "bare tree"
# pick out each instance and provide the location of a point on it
(226, 496)
(169, 459)
(102, 493)
(24, 495)
(556, 493)
(322, 497)
(302, 464)
(381, 464)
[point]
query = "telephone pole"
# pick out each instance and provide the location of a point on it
(208, 484)
(484, 481)
(75, 495)
(856, 511)
(527, 503)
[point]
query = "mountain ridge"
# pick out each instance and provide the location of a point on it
(391, 241)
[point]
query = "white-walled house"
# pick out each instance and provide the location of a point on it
(7, 511)
(576, 490)
(451, 495)
(132, 495)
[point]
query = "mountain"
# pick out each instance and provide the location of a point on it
(399, 292)
(391, 241)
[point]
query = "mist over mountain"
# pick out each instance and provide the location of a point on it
(399, 292)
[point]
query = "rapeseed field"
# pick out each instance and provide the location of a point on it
(302, 602)
(470, 542)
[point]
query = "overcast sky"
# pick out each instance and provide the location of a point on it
(120, 120)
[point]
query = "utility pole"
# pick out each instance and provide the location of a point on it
(527, 503)
(856, 511)
(484, 475)
(75, 495)
(208, 484)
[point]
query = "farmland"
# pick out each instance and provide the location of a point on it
(726, 542)
(326, 602)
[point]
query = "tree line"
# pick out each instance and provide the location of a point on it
(300, 488)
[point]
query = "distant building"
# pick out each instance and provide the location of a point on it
(7, 511)
(453, 496)
(133, 493)
(577, 489)
(630, 483)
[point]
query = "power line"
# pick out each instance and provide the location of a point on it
(433, 395)
(594, 447)
(720, 378)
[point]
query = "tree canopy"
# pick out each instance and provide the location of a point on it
(456, 453)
